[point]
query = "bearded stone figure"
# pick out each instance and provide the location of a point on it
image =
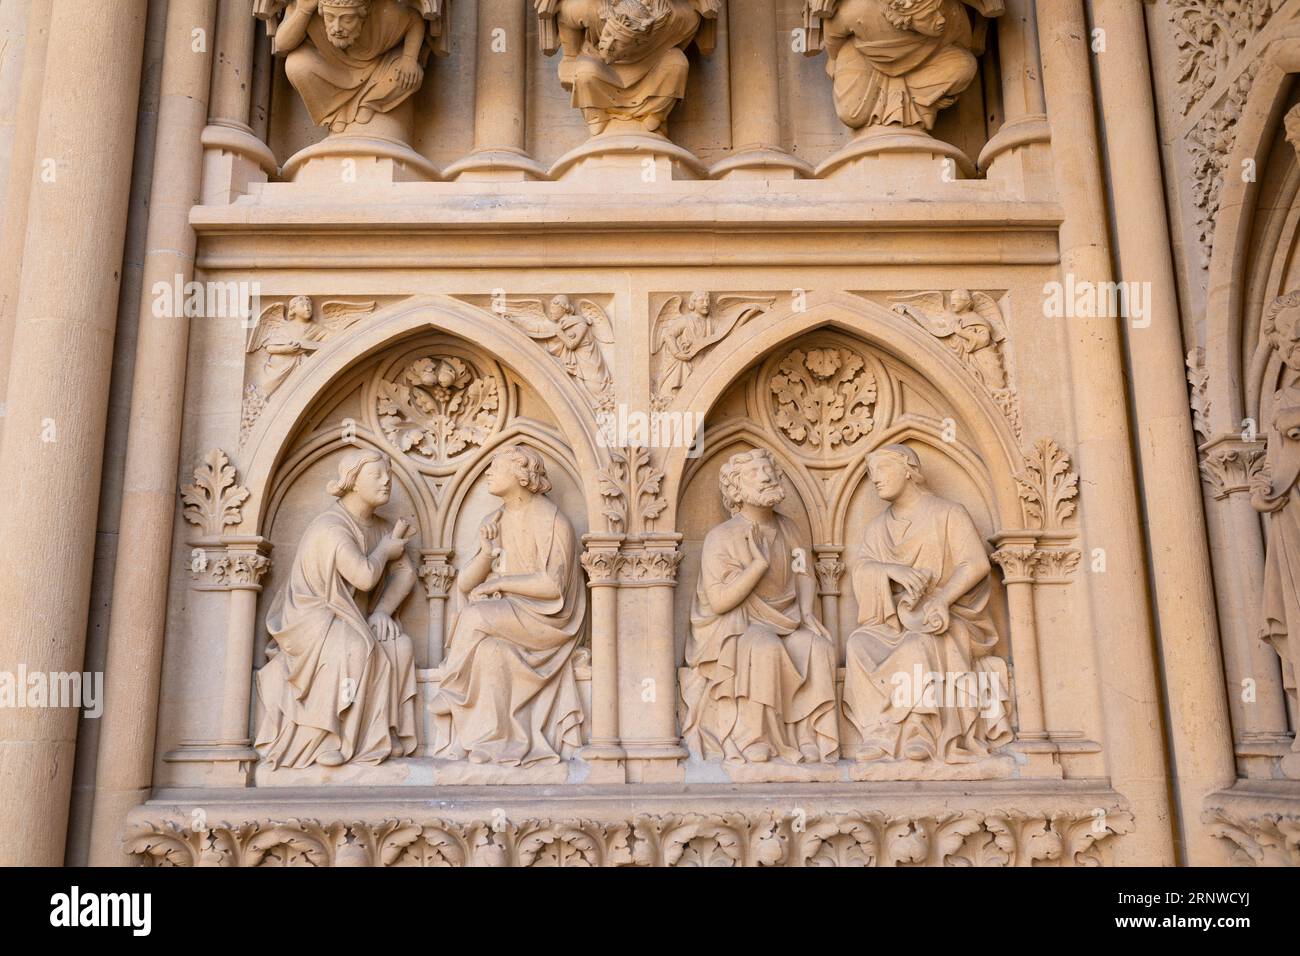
(762, 667)
(341, 686)
(353, 59)
(625, 60)
(1274, 493)
(898, 62)
(921, 681)
(508, 695)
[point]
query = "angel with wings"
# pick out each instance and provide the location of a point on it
(288, 334)
(685, 332)
(574, 336)
(969, 323)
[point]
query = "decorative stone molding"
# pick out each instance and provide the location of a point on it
(1037, 565)
(1198, 380)
(829, 570)
(1210, 35)
(601, 564)
(239, 567)
(650, 566)
(439, 407)
(867, 838)
(437, 573)
(1048, 487)
(213, 502)
(823, 398)
(1230, 465)
(1211, 143)
(1270, 839)
(632, 489)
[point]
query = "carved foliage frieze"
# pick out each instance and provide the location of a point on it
(869, 838)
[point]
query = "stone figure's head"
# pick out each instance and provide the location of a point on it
(517, 466)
(920, 16)
(752, 478)
(700, 304)
(344, 20)
(300, 309)
(1282, 329)
(559, 307)
(961, 300)
(629, 26)
(892, 468)
(367, 474)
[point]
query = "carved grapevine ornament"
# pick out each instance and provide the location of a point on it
(824, 398)
(212, 502)
(438, 407)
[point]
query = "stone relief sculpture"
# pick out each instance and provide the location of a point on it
(823, 399)
(970, 324)
(685, 329)
(1274, 492)
(508, 694)
(340, 687)
(898, 62)
(921, 680)
(438, 407)
(574, 335)
(624, 60)
(761, 678)
(352, 59)
(286, 335)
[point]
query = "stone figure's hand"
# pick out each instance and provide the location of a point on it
(756, 555)
(384, 627)
(911, 580)
(568, 70)
(487, 591)
(394, 543)
(409, 73)
(487, 535)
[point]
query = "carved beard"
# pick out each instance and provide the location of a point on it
(342, 39)
(769, 496)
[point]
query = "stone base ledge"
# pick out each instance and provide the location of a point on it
(1260, 819)
(992, 824)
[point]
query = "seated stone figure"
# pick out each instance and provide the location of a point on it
(351, 59)
(897, 62)
(508, 694)
(625, 60)
(341, 686)
(762, 667)
(921, 680)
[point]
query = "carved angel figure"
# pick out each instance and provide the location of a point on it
(684, 332)
(898, 62)
(1274, 492)
(574, 336)
(625, 60)
(288, 334)
(351, 59)
(969, 323)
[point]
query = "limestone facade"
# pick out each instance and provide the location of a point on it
(650, 432)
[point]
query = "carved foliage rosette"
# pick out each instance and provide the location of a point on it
(822, 400)
(439, 405)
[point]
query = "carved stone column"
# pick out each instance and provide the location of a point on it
(1253, 674)
(1018, 558)
(57, 398)
(756, 98)
(124, 768)
(437, 573)
(604, 753)
(233, 156)
(1019, 148)
(648, 659)
(1121, 613)
(500, 98)
(830, 570)
(1183, 589)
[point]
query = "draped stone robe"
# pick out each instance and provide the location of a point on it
(635, 89)
(1280, 618)
(332, 685)
(887, 75)
(509, 694)
(335, 84)
(893, 644)
(760, 652)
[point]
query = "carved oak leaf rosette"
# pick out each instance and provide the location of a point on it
(438, 407)
(213, 501)
(823, 399)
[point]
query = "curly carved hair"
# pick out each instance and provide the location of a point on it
(1281, 304)
(529, 466)
(729, 476)
(350, 466)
